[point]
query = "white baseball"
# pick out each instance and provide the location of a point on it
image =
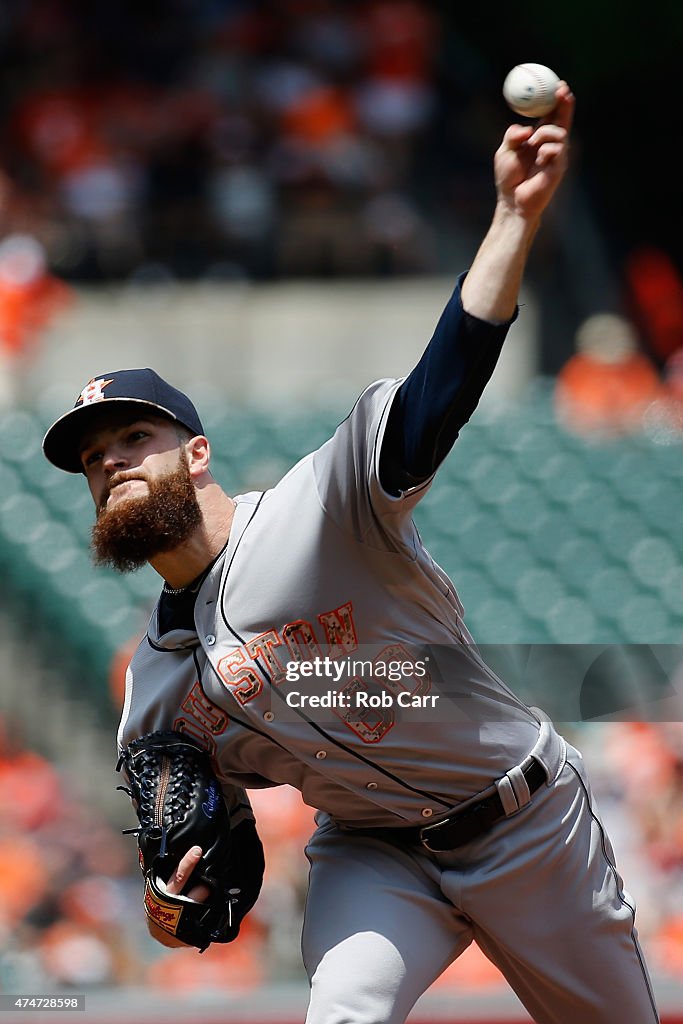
(529, 89)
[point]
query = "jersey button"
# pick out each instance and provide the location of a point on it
(371, 785)
(210, 640)
(268, 716)
(427, 812)
(321, 754)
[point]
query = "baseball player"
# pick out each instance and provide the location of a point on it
(305, 637)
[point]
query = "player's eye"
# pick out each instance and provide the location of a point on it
(90, 458)
(137, 435)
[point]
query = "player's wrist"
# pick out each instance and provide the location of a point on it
(514, 223)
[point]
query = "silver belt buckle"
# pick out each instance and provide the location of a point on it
(424, 839)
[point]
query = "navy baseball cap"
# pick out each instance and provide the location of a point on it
(144, 388)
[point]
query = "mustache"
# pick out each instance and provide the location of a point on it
(118, 478)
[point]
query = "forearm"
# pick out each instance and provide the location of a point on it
(491, 288)
(439, 396)
(443, 390)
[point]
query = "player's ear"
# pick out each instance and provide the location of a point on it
(198, 452)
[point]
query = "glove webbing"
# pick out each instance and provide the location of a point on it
(159, 802)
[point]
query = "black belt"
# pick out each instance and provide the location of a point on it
(461, 826)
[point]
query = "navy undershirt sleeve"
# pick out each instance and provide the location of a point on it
(439, 395)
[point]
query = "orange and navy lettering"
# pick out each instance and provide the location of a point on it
(240, 675)
(241, 672)
(340, 631)
(370, 724)
(262, 647)
(202, 719)
(300, 639)
(197, 704)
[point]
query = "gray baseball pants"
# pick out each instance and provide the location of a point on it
(539, 893)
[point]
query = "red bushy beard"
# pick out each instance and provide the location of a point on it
(137, 529)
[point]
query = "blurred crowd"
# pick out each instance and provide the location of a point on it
(223, 139)
(626, 373)
(255, 140)
(71, 916)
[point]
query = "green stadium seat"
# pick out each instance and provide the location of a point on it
(532, 449)
(471, 446)
(571, 620)
(104, 603)
(244, 441)
(637, 485)
(625, 467)
(474, 587)
(607, 631)
(561, 476)
(52, 550)
(650, 560)
(609, 589)
(72, 576)
(23, 517)
(475, 537)
(507, 560)
(620, 532)
(644, 619)
(296, 436)
(144, 586)
(671, 590)
(10, 481)
(592, 503)
(537, 590)
(264, 472)
(524, 509)
(499, 620)
(491, 477)
(448, 506)
(55, 562)
(68, 498)
(551, 530)
(221, 420)
(665, 461)
(21, 435)
(663, 512)
(577, 559)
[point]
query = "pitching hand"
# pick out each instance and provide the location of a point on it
(532, 159)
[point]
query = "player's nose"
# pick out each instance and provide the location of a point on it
(113, 459)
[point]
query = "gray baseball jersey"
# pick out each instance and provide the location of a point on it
(327, 565)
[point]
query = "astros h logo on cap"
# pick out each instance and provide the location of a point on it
(142, 387)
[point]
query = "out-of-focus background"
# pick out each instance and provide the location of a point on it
(270, 202)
